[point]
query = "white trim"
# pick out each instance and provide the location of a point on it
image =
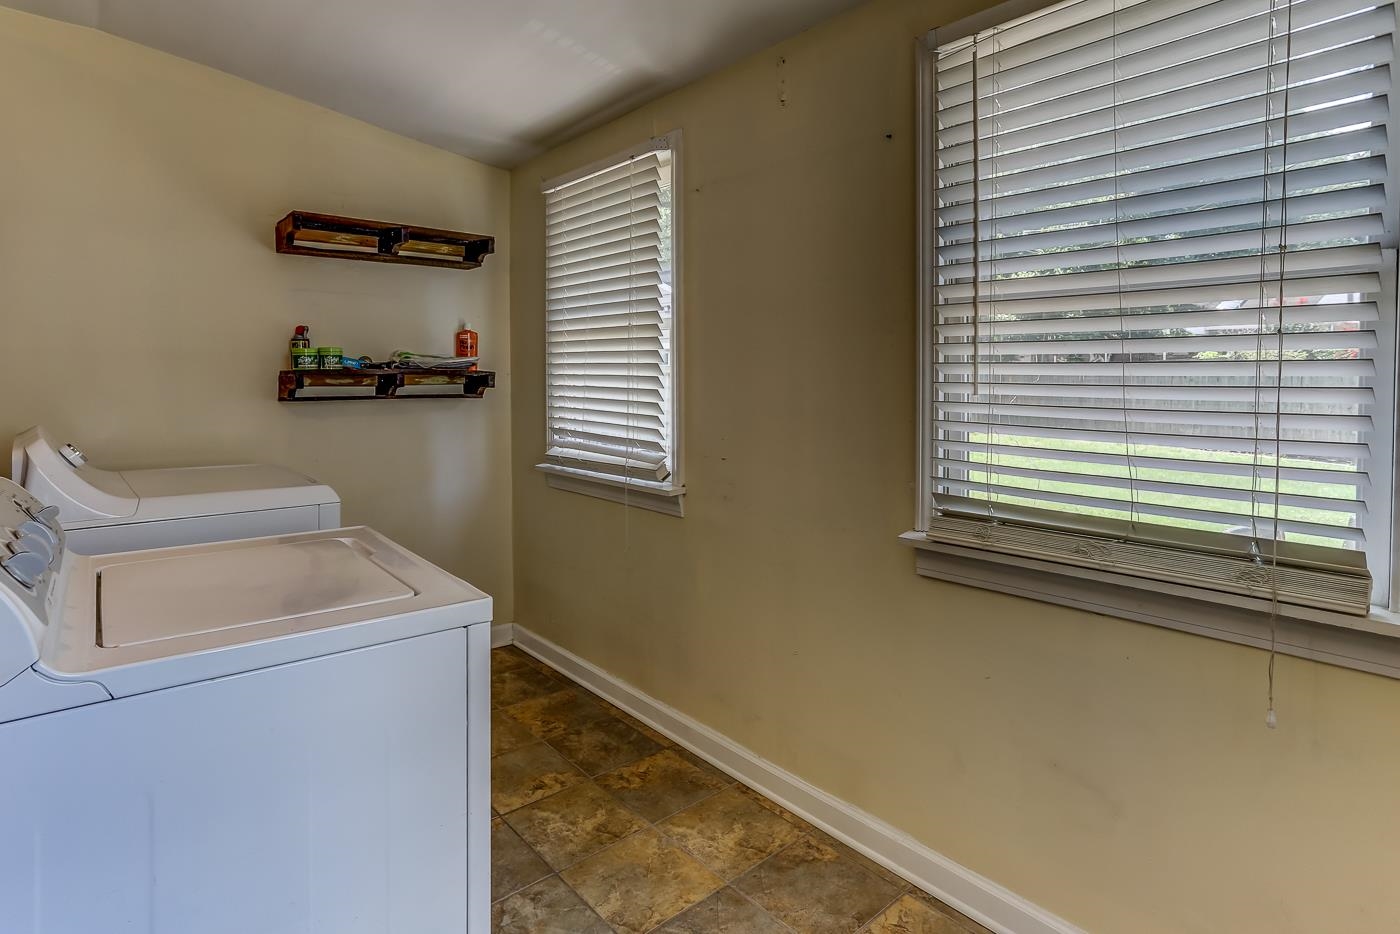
(927, 206)
(1365, 643)
(658, 497)
(988, 19)
(673, 141)
(502, 634)
(976, 896)
(1386, 518)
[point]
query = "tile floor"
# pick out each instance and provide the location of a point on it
(601, 824)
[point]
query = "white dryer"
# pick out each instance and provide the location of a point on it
(285, 734)
(106, 510)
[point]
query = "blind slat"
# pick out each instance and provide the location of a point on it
(1140, 507)
(1156, 457)
(1345, 508)
(1265, 270)
(1234, 318)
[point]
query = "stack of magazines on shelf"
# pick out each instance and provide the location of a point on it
(407, 360)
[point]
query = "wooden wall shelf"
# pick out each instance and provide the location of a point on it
(305, 234)
(355, 385)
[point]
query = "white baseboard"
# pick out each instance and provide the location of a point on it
(974, 895)
(502, 634)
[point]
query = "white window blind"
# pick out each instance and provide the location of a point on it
(1160, 300)
(608, 301)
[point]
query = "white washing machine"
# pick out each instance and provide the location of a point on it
(285, 735)
(106, 510)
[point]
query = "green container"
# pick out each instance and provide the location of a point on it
(305, 358)
(330, 357)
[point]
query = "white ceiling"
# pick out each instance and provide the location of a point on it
(496, 80)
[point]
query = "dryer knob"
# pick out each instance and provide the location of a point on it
(37, 544)
(34, 529)
(26, 567)
(49, 516)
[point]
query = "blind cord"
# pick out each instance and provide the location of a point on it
(977, 274)
(1261, 322)
(1118, 270)
(1271, 717)
(631, 372)
(977, 224)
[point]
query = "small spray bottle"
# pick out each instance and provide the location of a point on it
(300, 342)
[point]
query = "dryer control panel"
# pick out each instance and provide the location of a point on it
(31, 555)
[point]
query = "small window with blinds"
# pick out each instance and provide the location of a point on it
(610, 307)
(1158, 276)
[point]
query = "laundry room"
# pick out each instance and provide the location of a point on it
(720, 467)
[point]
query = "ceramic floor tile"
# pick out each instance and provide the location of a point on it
(938, 907)
(528, 774)
(641, 882)
(776, 808)
(725, 912)
(616, 872)
(574, 824)
(705, 767)
(823, 838)
(558, 714)
(547, 907)
(636, 724)
(660, 785)
(729, 832)
(911, 915)
(603, 745)
(513, 685)
(507, 735)
(813, 889)
(513, 864)
(860, 859)
(508, 656)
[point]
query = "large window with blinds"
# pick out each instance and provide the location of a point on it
(1158, 277)
(610, 329)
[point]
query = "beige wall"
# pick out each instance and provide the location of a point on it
(1117, 774)
(138, 193)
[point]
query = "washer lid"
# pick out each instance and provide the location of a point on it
(184, 594)
(144, 620)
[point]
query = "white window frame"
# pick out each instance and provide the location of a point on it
(1367, 643)
(667, 496)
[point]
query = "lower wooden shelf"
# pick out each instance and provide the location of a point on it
(356, 385)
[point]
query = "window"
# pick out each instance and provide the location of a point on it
(1158, 253)
(611, 336)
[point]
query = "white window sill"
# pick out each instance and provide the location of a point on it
(658, 497)
(1365, 643)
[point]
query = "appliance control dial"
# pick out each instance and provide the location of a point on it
(26, 567)
(48, 515)
(33, 528)
(35, 544)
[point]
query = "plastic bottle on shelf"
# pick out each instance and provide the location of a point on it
(465, 344)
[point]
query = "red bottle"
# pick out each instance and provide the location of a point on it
(466, 342)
